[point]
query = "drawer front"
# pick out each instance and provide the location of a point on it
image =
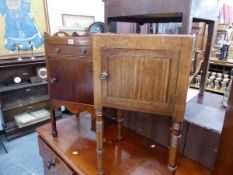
(9, 114)
(53, 165)
(24, 93)
(82, 51)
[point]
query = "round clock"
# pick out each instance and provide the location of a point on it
(96, 27)
(17, 80)
(42, 73)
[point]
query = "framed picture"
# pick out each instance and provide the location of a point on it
(79, 22)
(22, 25)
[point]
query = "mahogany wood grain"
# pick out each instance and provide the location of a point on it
(132, 156)
(225, 153)
(53, 165)
(143, 73)
(69, 65)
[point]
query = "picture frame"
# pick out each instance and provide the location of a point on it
(23, 37)
(78, 22)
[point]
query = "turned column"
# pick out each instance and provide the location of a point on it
(53, 122)
(120, 120)
(99, 141)
(174, 146)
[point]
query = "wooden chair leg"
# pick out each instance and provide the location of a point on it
(174, 146)
(120, 120)
(53, 122)
(99, 141)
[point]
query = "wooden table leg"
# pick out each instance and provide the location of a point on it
(205, 67)
(53, 122)
(120, 120)
(174, 146)
(99, 140)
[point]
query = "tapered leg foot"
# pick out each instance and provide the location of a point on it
(174, 146)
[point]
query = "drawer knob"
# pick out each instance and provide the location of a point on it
(50, 163)
(104, 76)
(57, 50)
(83, 51)
(53, 80)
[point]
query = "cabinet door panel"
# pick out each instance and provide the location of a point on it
(146, 73)
(74, 80)
(140, 77)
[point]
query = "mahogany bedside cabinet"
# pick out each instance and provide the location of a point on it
(69, 66)
(144, 73)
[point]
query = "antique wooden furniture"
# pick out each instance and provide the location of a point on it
(74, 151)
(145, 73)
(69, 64)
(204, 117)
(150, 11)
(2, 131)
(23, 97)
(225, 153)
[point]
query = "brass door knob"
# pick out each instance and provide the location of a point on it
(57, 50)
(83, 51)
(53, 80)
(104, 76)
(50, 163)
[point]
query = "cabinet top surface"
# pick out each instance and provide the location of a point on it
(133, 155)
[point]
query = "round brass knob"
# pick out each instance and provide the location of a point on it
(50, 163)
(53, 80)
(57, 50)
(104, 76)
(83, 51)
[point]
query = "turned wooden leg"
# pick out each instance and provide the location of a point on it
(174, 146)
(120, 120)
(99, 141)
(53, 122)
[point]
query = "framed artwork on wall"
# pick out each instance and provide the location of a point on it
(22, 25)
(77, 21)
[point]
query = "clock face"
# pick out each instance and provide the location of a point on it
(97, 27)
(17, 80)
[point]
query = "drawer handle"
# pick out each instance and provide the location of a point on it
(53, 80)
(50, 163)
(57, 50)
(28, 90)
(83, 51)
(104, 76)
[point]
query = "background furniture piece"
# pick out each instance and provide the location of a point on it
(149, 11)
(74, 151)
(69, 64)
(144, 73)
(225, 152)
(19, 98)
(218, 66)
(2, 131)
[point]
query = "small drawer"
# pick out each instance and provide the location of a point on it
(84, 51)
(53, 165)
